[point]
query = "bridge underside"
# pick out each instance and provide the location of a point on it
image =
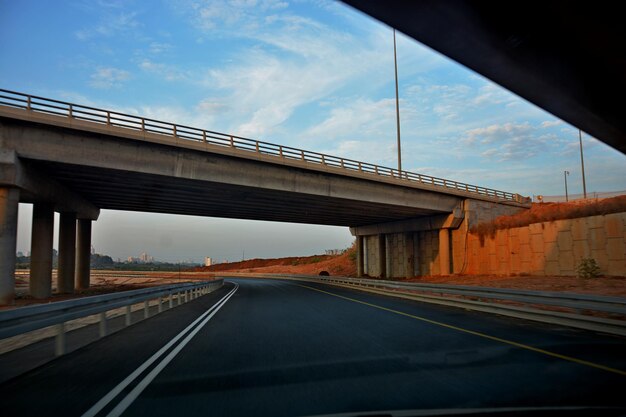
(133, 191)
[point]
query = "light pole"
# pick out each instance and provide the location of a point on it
(582, 163)
(395, 61)
(565, 174)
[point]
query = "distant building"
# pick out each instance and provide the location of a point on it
(145, 258)
(208, 261)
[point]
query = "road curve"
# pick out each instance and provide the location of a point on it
(261, 347)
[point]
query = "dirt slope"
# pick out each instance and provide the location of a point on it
(343, 264)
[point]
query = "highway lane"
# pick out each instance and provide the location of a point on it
(278, 347)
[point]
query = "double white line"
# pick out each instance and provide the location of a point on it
(132, 395)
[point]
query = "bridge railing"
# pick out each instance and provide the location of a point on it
(26, 319)
(141, 124)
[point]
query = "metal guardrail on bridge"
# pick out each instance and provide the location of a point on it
(26, 319)
(136, 123)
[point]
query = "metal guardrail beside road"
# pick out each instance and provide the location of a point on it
(532, 305)
(73, 111)
(578, 303)
(26, 319)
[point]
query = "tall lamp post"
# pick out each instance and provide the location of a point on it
(582, 163)
(395, 61)
(565, 174)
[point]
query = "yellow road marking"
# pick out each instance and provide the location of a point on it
(483, 335)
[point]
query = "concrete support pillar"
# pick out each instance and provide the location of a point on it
(382, 255)
(67, 253)
(409, 255)
(9, 201)
(83, 253)
(41, 250)
(359, 256)
(444, 251)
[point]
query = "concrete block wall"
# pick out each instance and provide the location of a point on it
(483, 211)
(397, 255)
(372, 262)
(428, 252)
(552, 248)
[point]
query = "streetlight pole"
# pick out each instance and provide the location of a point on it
(582, 163)
(565, 174)
(395, 61)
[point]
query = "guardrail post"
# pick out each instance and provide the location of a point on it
(174, 130)
(103, 324)
(70, 112)
(143, 124)
(257, 146)
(171, 304)
(204, 136)
(146, 309)
(128, 318)
(109, 118)
(232, 142)
(59, 342)
(302, 155)
(160, 308)
(178, 298)
(29, 103)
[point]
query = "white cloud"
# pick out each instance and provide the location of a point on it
(267, 86)
(110, 25)
(211, 14)
(551, 123)
(498, 133)
(509, 141)
(361, 118)
(494, 94)
(167, 72)
(159, 47)
(108, 77)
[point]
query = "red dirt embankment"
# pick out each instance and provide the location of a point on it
(343, 265)
(611, 286)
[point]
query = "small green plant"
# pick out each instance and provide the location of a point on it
(352, 256)
(588, 268)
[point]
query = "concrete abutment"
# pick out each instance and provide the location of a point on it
(83, 253)
(9, 201)
(67, 253)
(432, 245)
(41, 250)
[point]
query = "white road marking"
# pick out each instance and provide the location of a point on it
(97, 407)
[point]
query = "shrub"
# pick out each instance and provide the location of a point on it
(588, 268)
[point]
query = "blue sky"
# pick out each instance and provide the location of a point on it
(311, 74)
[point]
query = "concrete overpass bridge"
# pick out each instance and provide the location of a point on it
(76, 160)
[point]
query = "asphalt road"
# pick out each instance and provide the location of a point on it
(286, 348)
